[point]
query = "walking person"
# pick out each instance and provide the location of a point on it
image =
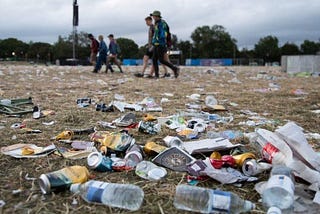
(94, 46)
(113, 56)
(103, 50)
(149, 52)
(159, 41)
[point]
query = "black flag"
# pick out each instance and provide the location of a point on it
(75, 13)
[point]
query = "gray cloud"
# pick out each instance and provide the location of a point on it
(246, 20)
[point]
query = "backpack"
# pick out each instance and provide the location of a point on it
(168, 38)
(118, 49)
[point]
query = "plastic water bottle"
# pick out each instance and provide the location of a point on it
(126, 196)
(203, 200)
(278, 196)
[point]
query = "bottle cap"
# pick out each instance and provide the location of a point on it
(274, 210)
(75, 188)
(249, 205)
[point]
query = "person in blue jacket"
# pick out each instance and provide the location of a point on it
(159, 41)
(102, 51)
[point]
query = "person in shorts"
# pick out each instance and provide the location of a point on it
(149, 52)
(113, 54)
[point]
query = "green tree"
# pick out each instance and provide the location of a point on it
(213, 42)
(44, 50)
(290, 49)
(63, 48)
(13, 47)
(267, 48)
(129, 49)
(310, 47)
(186, 48)
(142, 51)
(174, 41)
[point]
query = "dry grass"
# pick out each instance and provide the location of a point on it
(57, 88)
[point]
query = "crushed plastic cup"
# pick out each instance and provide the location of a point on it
(211, 101)
(150, 171)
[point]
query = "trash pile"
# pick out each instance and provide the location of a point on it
(196, 149)
(206, 142)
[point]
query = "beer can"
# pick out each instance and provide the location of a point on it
(240, 159)
(99, 162)
(251, 167)
(62, 179)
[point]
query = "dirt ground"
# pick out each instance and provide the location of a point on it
(58, 88)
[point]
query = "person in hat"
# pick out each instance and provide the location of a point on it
(94, 46)
(103, 50)
(159, 41)
(149, 52)
(113, 55)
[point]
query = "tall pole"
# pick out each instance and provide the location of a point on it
(75, 23)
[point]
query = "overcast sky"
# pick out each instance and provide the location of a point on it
(246, 20)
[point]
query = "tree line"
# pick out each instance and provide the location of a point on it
(207, 42)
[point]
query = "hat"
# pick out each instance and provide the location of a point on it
(156, 13)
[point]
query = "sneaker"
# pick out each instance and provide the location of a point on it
(98, 107)
(36, 113)
(166, 75)
(139, 75)
(176, 72)
(95, 71)
(149, 76)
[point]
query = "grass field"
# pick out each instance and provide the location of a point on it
(57, 88)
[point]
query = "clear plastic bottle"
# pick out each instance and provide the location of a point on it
(278, 195)
(203, 200)
(125, 196)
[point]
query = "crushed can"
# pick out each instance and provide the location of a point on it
(99, 162)
(240, 159)
(149, 127)
(151, 148)
(62, 179)
(252, 167)
(118, 141)
(226, 160)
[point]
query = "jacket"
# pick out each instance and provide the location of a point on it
(160, 33)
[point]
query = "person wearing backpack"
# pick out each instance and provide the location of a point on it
(114, 50)
(149, 52)
(160, 41)
(94, 46)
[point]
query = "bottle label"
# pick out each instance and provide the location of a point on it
(269, 151)
(95, 190)
(221, 201)
(63, 178)
(281, 181)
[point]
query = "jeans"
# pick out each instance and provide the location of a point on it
(101, 59)
(158, 54)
